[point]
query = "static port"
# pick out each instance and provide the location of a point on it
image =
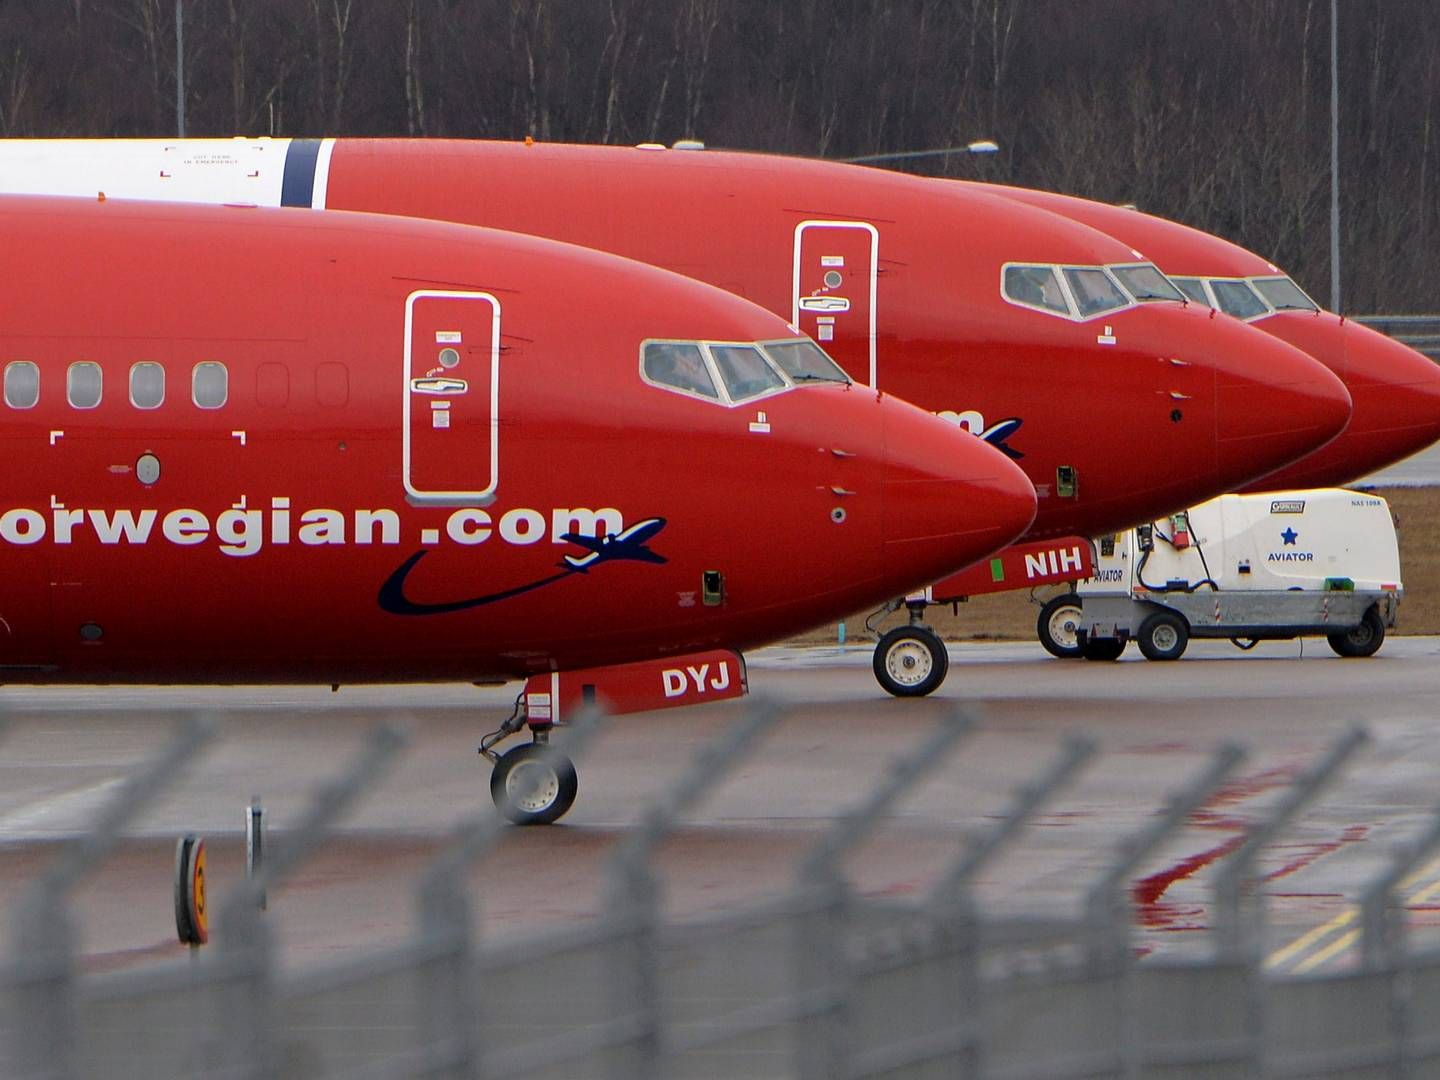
(712, 588)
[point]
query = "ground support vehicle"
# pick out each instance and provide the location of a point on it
(1243, 567)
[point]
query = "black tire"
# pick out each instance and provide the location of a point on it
(1058, 627)
(1163, 636)
(910, 661)
(1102, 648)
(1362, 640)
(533, 784)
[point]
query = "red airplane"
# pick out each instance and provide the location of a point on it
(1395, 390)
(1002, 318)
(261, 446)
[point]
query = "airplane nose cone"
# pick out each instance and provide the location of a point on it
(1273, 404)
(949, 497)
(1397, 399)
(1396, 392)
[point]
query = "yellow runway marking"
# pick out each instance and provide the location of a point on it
(1339, 945)
(1315, 938)
(1304, 941)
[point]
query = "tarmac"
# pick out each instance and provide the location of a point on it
(1418, 470)
(65, 752)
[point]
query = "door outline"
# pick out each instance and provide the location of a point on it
(450, 498)
(874, 274)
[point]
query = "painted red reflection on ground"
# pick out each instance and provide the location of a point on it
(1310, 852)
(1154, 912)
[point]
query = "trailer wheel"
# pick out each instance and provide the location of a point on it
(1103, 648)
(910, 661)
(1362, 640)
(1163, 636)
(1058, 626)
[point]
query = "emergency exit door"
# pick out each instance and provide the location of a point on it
(452, 382)
(836, 267)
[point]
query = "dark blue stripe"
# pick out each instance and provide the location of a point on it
(298, 187)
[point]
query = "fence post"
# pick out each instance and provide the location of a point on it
(43, 934)
(1105, 903)
(452, 1008)
(1383, 937)
(631, 890)
(951, 898)
(246, 1046)
(1238, 930)
(826, 1049)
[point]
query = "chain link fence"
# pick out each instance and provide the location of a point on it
(819, 982)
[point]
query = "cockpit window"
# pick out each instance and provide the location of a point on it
(1035, 286)
(1284, 294)
(1094, 291)
(1192, 288)
(1238, 299)
(804, 361)
(744, 371)
(1146, 283)
(680, 365)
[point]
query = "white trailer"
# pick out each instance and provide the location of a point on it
(1244, 567)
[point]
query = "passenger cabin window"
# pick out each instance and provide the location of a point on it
(84, 385)
(1146, 283)
(22, 384)
(210, 385)
(679, 365)
(804, 361)
(1192, 288)
(1094, 291)
(1035, 286)
(1238, 299)
(1284, 295)
(744, 371)
(147, 385)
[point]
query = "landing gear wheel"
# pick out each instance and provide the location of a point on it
(910, 661)
(533, 784)
(1163, 636)
(1058, 627)
(1102, 648)
(1363, 640)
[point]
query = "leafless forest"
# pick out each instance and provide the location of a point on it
(1213, 113)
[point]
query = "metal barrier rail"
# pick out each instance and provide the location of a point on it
(1420, 332)
(817, 982)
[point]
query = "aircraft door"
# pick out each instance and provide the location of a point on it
(836, 268)
(452, 382)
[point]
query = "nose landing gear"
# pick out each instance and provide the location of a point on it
(532, 784)
(911, 661)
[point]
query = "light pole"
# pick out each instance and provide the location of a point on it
(979, 146)
(179, 69)
(1334, 156)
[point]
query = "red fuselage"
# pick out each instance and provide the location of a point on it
(1395, 390)
(1115, 418)
(227, 458)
